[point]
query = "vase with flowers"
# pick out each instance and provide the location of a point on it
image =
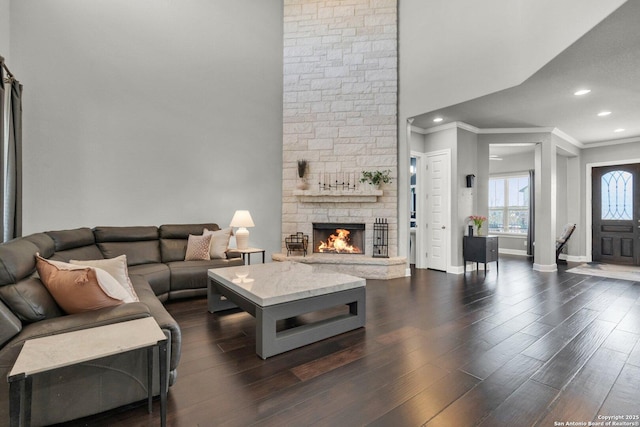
(478, 220)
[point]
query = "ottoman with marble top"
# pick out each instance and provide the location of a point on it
(283, 290)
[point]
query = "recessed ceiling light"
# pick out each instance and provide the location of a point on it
(495, 158)
(604, 113)
(619, 130)
(582, 92)
(438, 119)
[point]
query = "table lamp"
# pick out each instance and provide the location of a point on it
(242, 219)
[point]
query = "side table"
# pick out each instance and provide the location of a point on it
(246, 254)
(480, 249)
(57, 351)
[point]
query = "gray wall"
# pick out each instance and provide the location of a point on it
(467, 205)
(5, 27)
(150, 112)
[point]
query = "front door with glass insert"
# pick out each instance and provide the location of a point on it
(616, 214)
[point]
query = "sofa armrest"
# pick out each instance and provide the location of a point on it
(162, 316)
(86, 320)
(10, 325)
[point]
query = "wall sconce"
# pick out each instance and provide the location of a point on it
(470, 179)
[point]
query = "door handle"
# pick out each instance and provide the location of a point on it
(443, 227)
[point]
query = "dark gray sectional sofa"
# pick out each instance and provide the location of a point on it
(155, 258)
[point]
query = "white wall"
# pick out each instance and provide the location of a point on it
(150, 112)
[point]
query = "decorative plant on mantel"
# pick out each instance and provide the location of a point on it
(376, 178)
(302, 169)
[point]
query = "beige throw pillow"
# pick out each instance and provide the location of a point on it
(77, 289)
(117, 268)
(219, 242)
(198, 248)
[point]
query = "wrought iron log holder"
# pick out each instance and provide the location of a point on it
(381, 238)
(297, 243)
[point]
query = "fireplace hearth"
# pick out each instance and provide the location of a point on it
(338, 238)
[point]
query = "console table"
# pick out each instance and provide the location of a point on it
(56, 351)
(480, 249)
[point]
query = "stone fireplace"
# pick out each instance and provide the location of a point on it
(340, 115)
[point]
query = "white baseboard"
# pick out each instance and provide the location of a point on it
(546, 268)
(573, 258)
(518, 252)
(455, 269)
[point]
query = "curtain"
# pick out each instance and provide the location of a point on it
(532, 213)
(11, 161)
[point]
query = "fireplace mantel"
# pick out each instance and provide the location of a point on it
(337, 196)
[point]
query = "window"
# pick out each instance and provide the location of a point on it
(509, 204)
(617, 195)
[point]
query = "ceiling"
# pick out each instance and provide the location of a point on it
(605, 60)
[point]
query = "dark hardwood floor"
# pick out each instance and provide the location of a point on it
(518, 348)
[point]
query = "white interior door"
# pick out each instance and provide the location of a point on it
(437, 209)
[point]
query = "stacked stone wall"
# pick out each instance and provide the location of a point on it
(340, 107)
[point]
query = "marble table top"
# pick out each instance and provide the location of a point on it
(278, 282)
(56, 351)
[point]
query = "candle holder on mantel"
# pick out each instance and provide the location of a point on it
(337, 181)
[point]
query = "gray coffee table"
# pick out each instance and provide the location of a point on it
(282, 290)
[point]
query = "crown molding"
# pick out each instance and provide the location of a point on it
(552, 130)
(612, 142)
(440, 128)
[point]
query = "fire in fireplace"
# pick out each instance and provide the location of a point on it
(338, 238)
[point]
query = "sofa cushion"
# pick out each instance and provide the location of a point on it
(69, 239)
(125, 234)
(219, 242)
(140, 252)
(79, 290)
(198, 247)
(193, 274)
(116, 267)
(173, 239)
(30, 300)
(46, 245)
(157, 275)
(182, 231)
(16, 260)
(82, 252)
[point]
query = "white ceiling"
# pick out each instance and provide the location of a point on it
(605, 60)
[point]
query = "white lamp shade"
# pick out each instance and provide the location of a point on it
(242, 219)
